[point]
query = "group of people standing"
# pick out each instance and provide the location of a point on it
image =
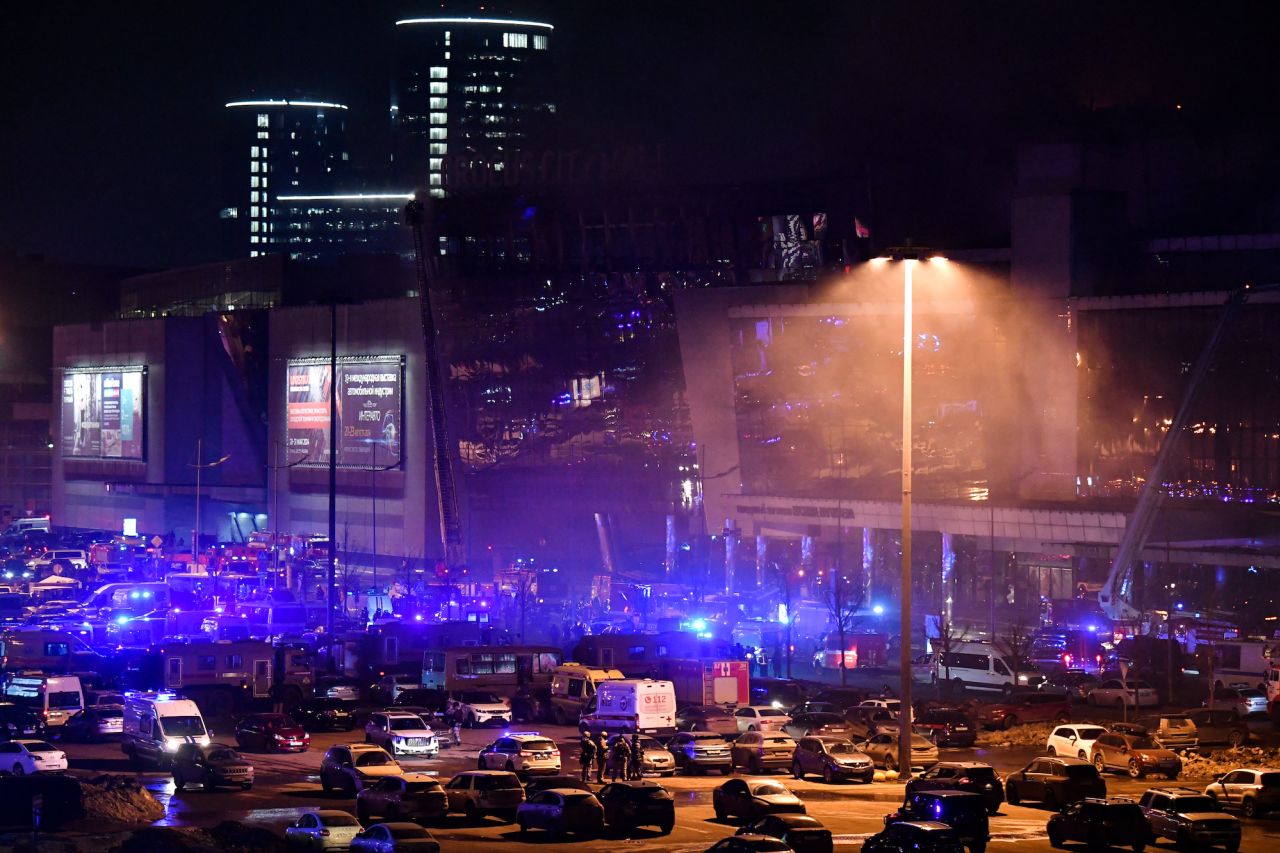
(626, 759)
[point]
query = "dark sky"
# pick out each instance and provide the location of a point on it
(112, 111)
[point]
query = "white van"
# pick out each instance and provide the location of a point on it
(56, 697)
(156, 724)
(22, 525)
(982, 667)
(631, 705)
(572, 686)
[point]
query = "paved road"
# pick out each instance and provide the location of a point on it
(288, 785)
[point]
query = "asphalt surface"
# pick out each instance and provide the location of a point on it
(288, 784)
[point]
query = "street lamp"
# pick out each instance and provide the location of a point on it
(909, 256)
(200, 465)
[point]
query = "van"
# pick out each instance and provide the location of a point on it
(572, 687)
(55, 697)
(156, 724)
(22, 525)
(48, 650)
(982, 667)
(632, 705)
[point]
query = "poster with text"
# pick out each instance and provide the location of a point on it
(102, 413)
(368, 407)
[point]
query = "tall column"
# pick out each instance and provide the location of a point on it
(762, 559)
(731, 534)
(868, 566)
(948, 567)
(671, 546)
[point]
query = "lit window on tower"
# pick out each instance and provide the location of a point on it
(539, 42)
(438, 88)
(264, 120)
(439, 72)
(515, 40)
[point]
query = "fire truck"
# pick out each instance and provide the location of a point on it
(708, 682)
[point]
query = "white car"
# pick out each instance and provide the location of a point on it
(480, 707)
(1113, 691)
(761, 718)
(521, 752)
(1073, 741)
(894, 705)
(22, 757)
(401, 733)
(394, 838)
(71, 558)
(326, 829)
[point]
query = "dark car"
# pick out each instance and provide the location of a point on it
(94, 723)
(1025, 708)
(802, 833)
(914, 837)
(546, 783)
(213, 766)
(947, 727)
(413, 796)
(964, 812)
(1219, 727)
(706, 718)
(1056, 782)
(971, 776)
(835, 759)
(324, 715)
(422, 697)
(749, 844)
(628, 805)
(810, 723)
(759, 752)
(562, 810)
(776, 692)
(752, 799)
(271, 733)
(17, 721)
(843, 697)
(1192, 819)
(700, 751)
(1101, 824)
(1075, 684)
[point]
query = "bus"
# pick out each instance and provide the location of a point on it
(502, 669)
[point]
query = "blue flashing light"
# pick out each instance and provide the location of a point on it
(1179, 605)
(878, 609)
(1093, 629)
(417, 617)
(122, 620)
(699, 625)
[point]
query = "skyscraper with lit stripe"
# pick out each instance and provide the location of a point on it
(470, 96)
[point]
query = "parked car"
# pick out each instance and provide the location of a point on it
(546, 783)
(1245, 701)
(700, 752)
(947, 727)
(20, 720)
(412, 796)
(764, 718)
(94, 723)
(560, 811)
(1075, 684)
(963, 811)
(972, 776)
(1254, 790)
(801, 833)
(752, 799)
(385, 690)
(401, 733)
(338, 687)
(481, 708)
(1055, 782)
(213, 766)
(521, 752)
(1172, 731)
(655, 759)
(807, 723)
(271, 733)
(1025, 708)
(761, 751)
(1218, 728)
(889, 704)
(353, 766)
(883, 750)
(323, 829)
(835, 759)
(422, 697)
(22, 757)
(1136, 755)
(914, 837)
(706, 718)
(394, 838)
(1190, 818)
(1134, 694)
(630, 805)
(324, 715)
(749, 844)
(1074, 740)
(479, 793)
(1101, 824)
(864, 722)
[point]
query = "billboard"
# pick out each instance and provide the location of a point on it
(369, 413)
(102, 412)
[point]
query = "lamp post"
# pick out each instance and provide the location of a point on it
(200, 465)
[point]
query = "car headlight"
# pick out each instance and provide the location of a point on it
(171, 746)
(204, 741)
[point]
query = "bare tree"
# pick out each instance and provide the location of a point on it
(949, 636)
(843, 597)
(1015, 646)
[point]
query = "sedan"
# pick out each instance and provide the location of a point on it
(812, 723)
(324, 829)
(752, 799)
(883, 749)
(706, 718)
(271, 733)
(395, 838)
(94, 724)
(21, 757)
(1243, 700)
(749, 844)
(764, 718)
(801, 833)
(324, 715)
(1113, 691)
(1075, 684)
(562, 810)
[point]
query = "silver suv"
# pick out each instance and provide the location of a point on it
(477, 793)
(401, 733)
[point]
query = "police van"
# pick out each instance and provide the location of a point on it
(157, 724)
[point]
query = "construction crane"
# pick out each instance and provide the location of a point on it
(416, 216)
(1116, 597)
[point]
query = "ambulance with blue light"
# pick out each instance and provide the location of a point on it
(157, 724)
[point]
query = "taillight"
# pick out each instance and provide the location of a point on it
(324, 833)
(963, 780)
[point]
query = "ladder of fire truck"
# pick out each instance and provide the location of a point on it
(1115, 597)
(450, 529)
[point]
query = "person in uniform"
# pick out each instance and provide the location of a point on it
(586, 756)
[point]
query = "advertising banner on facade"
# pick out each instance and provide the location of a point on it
(102, 413)
(369, 392)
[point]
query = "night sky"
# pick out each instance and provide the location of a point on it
(112, 112)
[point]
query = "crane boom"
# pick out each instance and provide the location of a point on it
(1115, 597)
(415, 215)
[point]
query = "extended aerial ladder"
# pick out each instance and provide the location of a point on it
(1115, 597)
(415, 214)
